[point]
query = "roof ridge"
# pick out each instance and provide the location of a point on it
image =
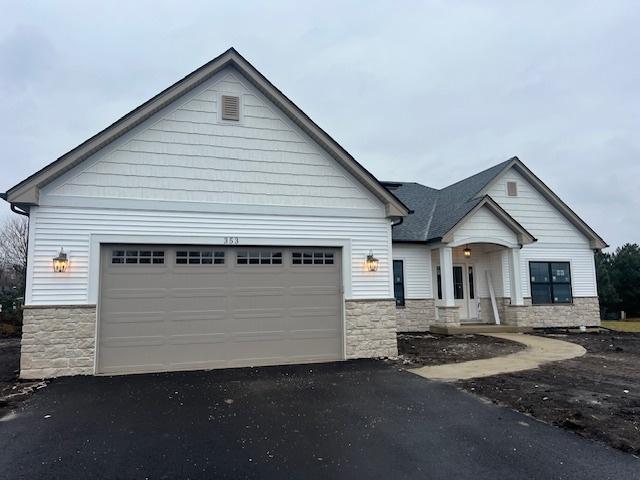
(480, 172)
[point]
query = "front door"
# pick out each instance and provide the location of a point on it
(464, 292)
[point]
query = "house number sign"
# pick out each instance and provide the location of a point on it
(231, 241)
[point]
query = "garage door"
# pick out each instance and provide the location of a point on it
(168, 308)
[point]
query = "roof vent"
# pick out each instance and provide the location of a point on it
(512, 189)
(230, 108)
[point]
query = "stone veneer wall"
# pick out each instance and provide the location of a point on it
(58, 341)
(584, 311)
(416, 315)
(370, 328)
(448, 316)
(486, 310)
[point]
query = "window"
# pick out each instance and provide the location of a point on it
(471, 285)
(199, 257)
(439, 282)
(512, 189)
(458, 285)
(137, 257)
(259, 258)
(230, 107)
(398, 282)
(550, 282)
(312, 258)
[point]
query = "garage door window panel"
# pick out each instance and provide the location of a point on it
(137, 257)
(259, 257)
(199, 257)
(312, 258)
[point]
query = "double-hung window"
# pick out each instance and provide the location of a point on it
(550, 282)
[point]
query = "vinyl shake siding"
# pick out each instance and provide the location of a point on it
(185, 175)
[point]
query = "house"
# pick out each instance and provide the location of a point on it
(501, 233)
(217, 225)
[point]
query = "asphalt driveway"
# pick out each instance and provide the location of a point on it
(361, 419)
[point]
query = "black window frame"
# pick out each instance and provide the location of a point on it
(550, 283)
(398, 285)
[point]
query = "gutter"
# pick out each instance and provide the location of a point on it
(401, 219)
(14, 208)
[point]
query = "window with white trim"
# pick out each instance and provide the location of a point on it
(199, 257)
(259, 257)
(312, 258)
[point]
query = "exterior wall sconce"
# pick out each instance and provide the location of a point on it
(61, 262)
(467, 252)
(372, 262)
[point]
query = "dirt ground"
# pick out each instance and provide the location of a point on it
(420, 349)
(597, 395)
(12, 390)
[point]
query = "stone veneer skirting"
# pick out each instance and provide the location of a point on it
(58, 341)
(584, 311)
(370, 328)
(416, 315)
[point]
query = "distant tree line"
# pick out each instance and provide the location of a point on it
(619, 281)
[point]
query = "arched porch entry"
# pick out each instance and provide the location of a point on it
(474, 278)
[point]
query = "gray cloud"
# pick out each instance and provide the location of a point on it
(423, 91)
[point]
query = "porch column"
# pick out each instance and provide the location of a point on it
(516, 276)
(446, 275)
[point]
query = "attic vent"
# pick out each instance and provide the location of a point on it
(512, 189)
(230, 108)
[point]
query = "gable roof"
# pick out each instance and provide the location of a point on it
(26, 192)
(443, 209)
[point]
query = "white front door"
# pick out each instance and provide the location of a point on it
(464, 293)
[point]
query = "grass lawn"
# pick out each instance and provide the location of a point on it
(627, 326)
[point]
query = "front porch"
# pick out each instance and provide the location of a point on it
(476, 283)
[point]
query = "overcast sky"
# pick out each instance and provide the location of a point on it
(417, 91)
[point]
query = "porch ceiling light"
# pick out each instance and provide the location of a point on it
(467, 252)
(61, 262)
(372, 262)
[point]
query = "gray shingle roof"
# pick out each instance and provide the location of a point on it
(435, 212)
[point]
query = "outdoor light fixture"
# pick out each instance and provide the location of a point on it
(61, 262)
(372, 262)
(467, 252)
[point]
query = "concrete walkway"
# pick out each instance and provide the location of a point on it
(539, 351)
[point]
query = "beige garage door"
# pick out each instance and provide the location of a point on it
(182, 308)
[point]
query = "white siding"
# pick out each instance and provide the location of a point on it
(186, 153)
(417, 270)
(534, 212)
(483, 224)
(583, 270)
(72, 228)
(558, 239)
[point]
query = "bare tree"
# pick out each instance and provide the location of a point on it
(13, 249)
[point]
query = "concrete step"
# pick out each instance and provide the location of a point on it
(476, 328)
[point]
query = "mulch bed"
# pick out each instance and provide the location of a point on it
(420, 349)
(597, 396)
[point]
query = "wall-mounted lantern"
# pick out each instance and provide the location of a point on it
(467, 252)
(372, 262)
(61, 262)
